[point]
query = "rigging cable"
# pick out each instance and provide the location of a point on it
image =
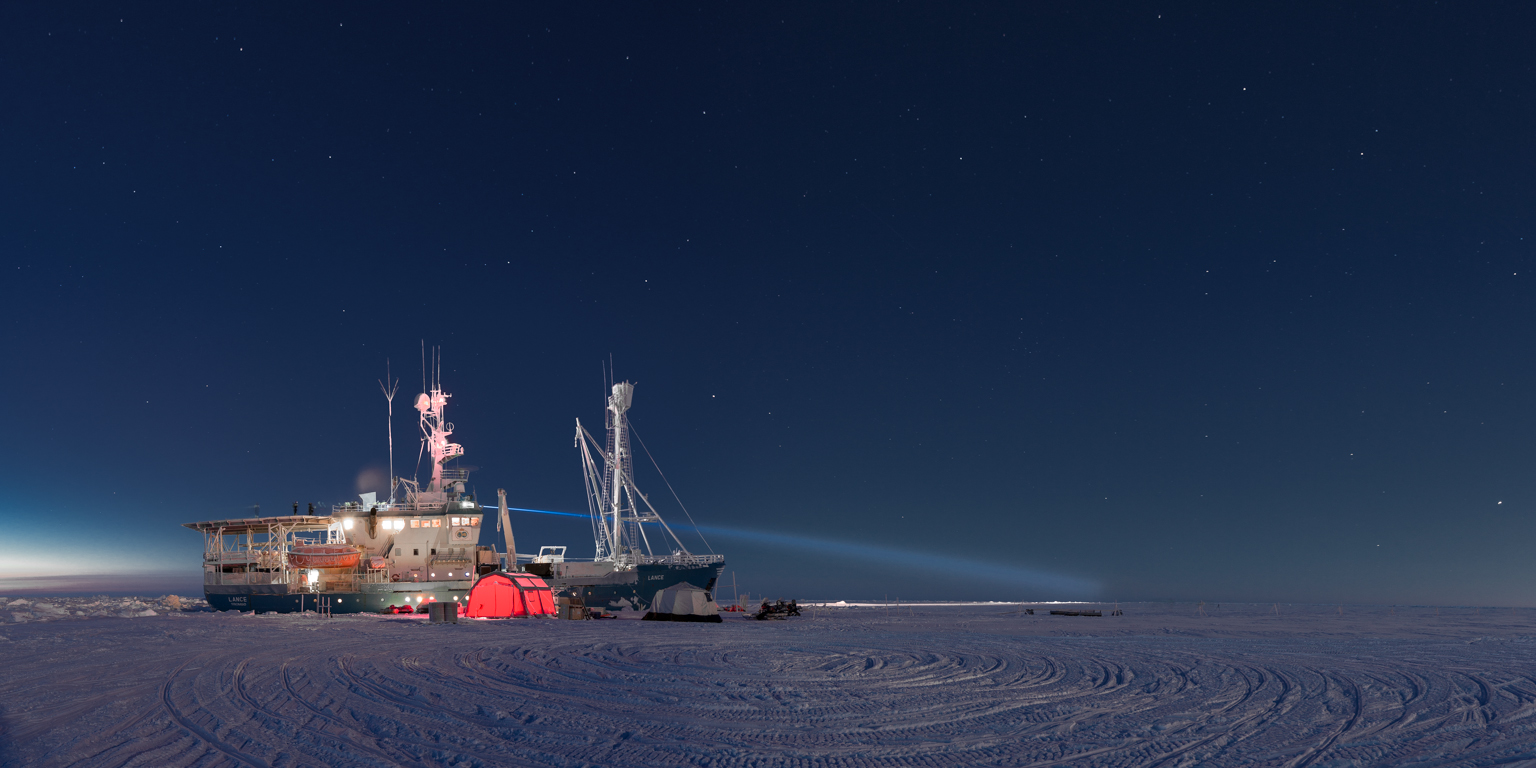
(664, 479)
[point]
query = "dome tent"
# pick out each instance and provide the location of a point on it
(683, 602)
(502, 595)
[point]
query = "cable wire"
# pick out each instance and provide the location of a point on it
(664, 479)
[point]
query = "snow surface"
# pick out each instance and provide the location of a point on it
(932, 686)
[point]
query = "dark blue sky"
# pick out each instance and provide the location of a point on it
(1196, 302)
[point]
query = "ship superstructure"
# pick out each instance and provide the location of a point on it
(367, 554)
(636, 553)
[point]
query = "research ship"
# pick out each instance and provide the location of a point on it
(365, 555)
(636, 552)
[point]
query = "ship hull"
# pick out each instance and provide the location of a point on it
(374, 598)
(630, 592)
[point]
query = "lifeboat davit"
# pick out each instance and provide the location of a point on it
(323, 556)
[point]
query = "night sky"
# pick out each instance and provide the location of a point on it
(935, 301)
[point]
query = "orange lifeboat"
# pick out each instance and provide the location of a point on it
(323, 556)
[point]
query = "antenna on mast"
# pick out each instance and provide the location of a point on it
(389, 397)
(423, 448)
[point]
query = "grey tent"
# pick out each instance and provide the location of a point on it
(683, 602)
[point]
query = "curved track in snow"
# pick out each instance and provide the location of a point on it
(948, 687)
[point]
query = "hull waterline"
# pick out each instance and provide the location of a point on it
(373, 599)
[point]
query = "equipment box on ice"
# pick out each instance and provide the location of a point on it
(443, 613)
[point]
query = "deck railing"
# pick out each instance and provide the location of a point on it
(343, 582)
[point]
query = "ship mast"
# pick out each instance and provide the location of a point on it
(619, 510)
(620, 463)
(434, 434)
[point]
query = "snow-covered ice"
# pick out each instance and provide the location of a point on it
(22, 609)
(930, 685)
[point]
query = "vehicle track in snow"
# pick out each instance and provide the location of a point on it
(850, 689)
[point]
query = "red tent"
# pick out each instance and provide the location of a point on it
(538, 594)
(500, 595)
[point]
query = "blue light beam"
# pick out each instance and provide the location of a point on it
(544, 512)
(1065, 586)
(1068, 586)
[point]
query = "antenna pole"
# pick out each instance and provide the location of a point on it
(389, 397)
